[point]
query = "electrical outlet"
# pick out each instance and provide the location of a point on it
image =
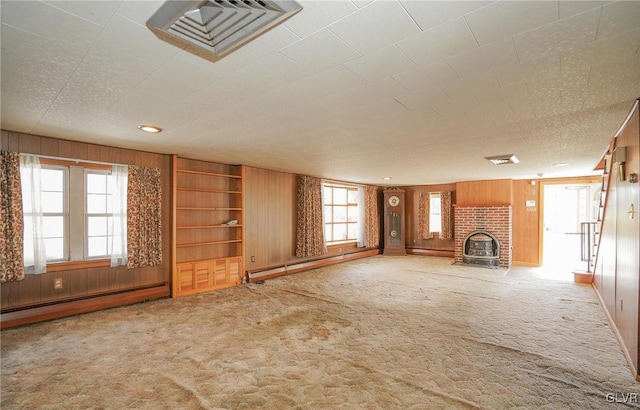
(253, 259)
(57, 283)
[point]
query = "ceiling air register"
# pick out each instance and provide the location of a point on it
(213, 29)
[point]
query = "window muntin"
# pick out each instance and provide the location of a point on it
(98, 213)
(340, 213)
(435, 213)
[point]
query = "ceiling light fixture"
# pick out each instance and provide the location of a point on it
(387, 178)
(503, 159)
(560, 164)
(150, 128)
(212, 29)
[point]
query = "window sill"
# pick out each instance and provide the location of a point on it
(74, 265)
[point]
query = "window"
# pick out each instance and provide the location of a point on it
(55, 212)
(435, 212)
(98, 214)
(76, 203)
(340, 213)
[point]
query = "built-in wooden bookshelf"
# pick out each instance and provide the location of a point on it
(208, 226)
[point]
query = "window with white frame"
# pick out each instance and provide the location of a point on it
(340, 213)
(435, 213)
(76, 210)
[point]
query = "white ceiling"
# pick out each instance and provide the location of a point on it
(420, 91)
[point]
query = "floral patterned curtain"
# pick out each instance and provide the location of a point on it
(11, 219)
(371, 217)
(424, 207)
(144, 218)
(310, 229)
(447, 221)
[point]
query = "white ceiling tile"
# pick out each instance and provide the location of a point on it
(568, 8)
(611, 50)
(96, 11)
(316, 15)
(135, 40)
(619, 17)
(334, 80)
(506, 18)
(320, 51)
(275, 39)
(423, 99)
(272, 72)
(558, 36)
(477, 85)
(377, 25)
(484, 58)
(139, 11)
(429, 14)
(428, 47)
(49, 22)
(171, 80)
(385, 62)
(428, 76)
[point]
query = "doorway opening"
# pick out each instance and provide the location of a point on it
(566, 206)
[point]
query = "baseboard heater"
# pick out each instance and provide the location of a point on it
(56, 310)
(254, 276)
(431, 252)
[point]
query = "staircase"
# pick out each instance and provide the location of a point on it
(605, 165)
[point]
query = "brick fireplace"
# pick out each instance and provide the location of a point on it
(497, 220)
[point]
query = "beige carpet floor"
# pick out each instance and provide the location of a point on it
(383, 332)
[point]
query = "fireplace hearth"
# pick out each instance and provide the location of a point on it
(481, 248)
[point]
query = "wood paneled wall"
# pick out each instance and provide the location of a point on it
(413, 239)
(526, 223)
(270, 221)
(80, 283)
(497, 192)
(617, 272)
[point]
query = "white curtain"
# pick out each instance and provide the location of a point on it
(35, 254)
(117, 188)
(360, 226)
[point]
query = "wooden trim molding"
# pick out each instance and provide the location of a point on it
(74, 265)
(91, 304)
(254, 276)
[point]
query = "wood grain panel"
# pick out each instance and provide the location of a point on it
(413, 239)
(526, 223)
(83, 281)
(497, 192)
(627, 303)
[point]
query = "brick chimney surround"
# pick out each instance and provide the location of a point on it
(497, 220)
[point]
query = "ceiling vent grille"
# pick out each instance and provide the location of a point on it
(503, 159)
(214, 28)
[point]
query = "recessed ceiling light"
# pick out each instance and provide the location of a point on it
(387, 178)
(150, 128)
(503, 159)
(560, 164)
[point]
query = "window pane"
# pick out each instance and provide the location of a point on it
(97, 246)
(55, 248)
(96, 204)
(340, 196)
(52, 227)
(327, 233)
(52, 202)
(328, 213)
(97, 226)
(353, 197)
(435, 222)
(327, 195)
(339, 232)
(52, 179)
(351, 230)
(339, 213)
(96, 183)
(353, 214)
